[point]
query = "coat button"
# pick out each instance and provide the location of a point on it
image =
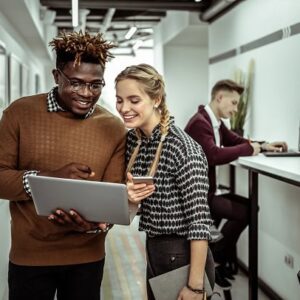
(173, 258)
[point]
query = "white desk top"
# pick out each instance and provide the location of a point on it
(285, 167)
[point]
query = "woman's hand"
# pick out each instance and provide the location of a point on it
(139, 191)
(186, 294)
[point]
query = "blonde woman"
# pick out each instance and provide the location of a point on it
(174, 211)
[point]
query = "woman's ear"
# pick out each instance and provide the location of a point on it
(157, 103)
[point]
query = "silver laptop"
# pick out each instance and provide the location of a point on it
(95, 201)
(289, 153)
(168, 285)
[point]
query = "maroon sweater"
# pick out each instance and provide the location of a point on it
(200, 129)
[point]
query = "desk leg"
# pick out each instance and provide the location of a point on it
(253, 236)
(232, 179)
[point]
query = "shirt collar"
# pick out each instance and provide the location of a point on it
(215, 122)
(53, 105)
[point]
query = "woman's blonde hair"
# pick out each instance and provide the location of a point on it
(154, 86)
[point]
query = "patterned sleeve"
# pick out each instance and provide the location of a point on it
(25, 181)
(192, 180)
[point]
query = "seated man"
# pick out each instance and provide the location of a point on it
(223, 146)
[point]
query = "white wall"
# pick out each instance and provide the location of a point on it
(171, 26)
(275, 115)
(185, 71)
(34, 8)
(16, 44)
(181, 53)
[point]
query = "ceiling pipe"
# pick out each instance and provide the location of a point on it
(107, 19)
(132, 30)
(82, 19)
(47, 16)
(137, 45)
(127, 4)
(74, 9)
(216, 9)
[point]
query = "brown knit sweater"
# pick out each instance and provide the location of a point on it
(31, 138)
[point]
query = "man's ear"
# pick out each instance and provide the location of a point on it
(55, 75)
(219, 96)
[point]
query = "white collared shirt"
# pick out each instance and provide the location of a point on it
(215, 123)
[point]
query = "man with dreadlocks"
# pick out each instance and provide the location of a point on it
(62, 134)
(174, 211)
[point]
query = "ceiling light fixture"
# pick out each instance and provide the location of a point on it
(137, 45)
(75, 13)
(198, 0)
(130, 32)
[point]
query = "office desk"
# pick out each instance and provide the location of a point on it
(286, 169)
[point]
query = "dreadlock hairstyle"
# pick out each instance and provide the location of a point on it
(81, 47)
(154, 86)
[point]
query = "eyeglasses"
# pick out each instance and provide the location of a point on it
(76, 85)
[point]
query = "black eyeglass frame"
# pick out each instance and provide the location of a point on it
(77, 85)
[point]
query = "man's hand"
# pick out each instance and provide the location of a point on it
(275, 147)
(72, 171)
(76, 221)
(256, 148)
(139, 191)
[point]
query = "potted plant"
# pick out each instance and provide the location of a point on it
(237, 121)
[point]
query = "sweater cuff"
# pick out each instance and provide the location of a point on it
(25, 181)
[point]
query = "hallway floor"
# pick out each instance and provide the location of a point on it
(125, 268)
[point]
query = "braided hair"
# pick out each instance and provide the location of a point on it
(81, 47)
(154, 86)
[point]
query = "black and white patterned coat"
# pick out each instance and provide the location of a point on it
(179, 203)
